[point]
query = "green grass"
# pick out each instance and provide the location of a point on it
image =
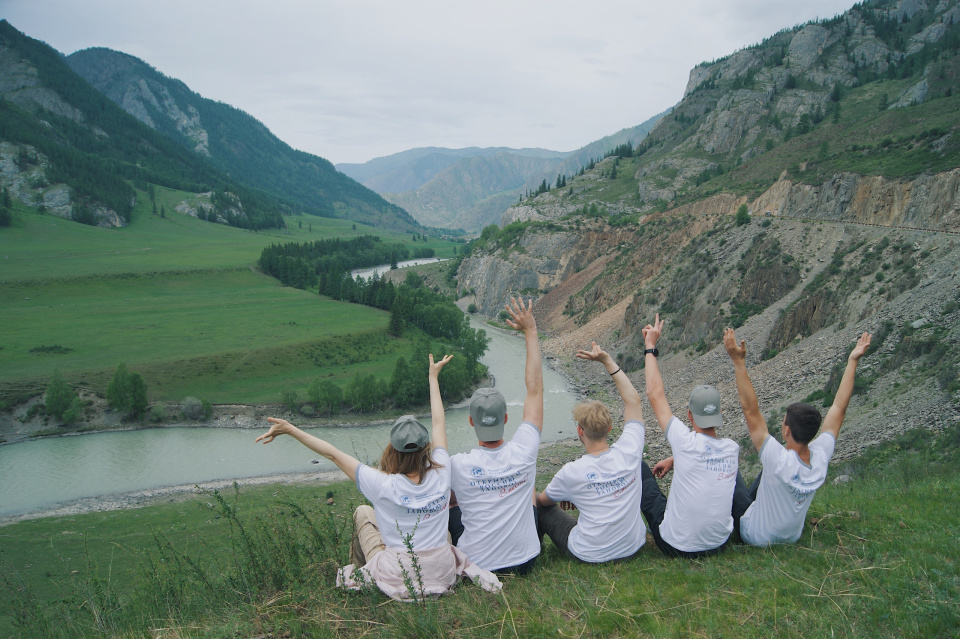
(217, 334)
(877, 558)
(38, 247)
(177, 299)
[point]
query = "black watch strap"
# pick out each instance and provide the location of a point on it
(651, 351)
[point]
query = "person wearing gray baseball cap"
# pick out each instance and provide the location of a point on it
(410, 493)
(493, 519)
(695, 520)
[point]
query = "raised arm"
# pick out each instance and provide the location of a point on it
(748, 397)
(521, 319)
(632, 408)
(439, 439)
(651, 370)
(344, 462)
(834, 418)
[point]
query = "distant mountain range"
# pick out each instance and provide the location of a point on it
(90, 128)
(471, 188)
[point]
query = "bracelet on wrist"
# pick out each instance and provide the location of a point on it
(616, 371)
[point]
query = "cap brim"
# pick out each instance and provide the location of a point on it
(709, 421)
(489, 433)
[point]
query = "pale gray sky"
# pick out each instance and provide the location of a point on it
(351, 80)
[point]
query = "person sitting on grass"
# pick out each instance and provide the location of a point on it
(695, 520)
(774, 509)
(494, 521)
(400, 544)
(604, 484)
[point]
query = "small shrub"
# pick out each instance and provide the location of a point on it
(472, 309)
(158, 413)
(75, 412)
(191, 408)
(206, 410)
(290, 399)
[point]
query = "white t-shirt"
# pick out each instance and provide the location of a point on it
(418, 509)
(606, 489)
(787, 487)
(494, 488)
(698, 513)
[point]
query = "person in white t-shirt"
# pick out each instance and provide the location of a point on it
(494, 521)
(604, 485)
(774, 509)
(402, 539)
(695, 520)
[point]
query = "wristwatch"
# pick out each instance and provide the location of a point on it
(651, 351)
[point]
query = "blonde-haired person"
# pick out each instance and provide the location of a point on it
(604, 484)
(410, 493)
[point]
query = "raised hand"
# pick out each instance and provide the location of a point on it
(595, 354)
(279, 427)
(736, 353)
(651, 332)
(862, 345)
(435, 367)
(521, 315)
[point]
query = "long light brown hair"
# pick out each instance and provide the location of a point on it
(393, 462)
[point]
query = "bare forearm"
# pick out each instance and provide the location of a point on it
(841, 401)
(436, 412)
(533, 379)
(748, 396)
(344, 462)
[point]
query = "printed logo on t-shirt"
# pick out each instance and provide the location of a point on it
(477, 471)
(614, 486)
(503, 485)
(437, 503)
(723, 465)
(592, 477)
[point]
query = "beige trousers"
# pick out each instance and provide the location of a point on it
(366, 542)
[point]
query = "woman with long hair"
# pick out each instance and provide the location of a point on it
(400, 543)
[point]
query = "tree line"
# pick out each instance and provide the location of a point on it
(434, 318)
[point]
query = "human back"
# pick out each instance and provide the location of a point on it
(494, 482)
(697, 515)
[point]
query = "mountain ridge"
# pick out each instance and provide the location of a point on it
(471, 188)
(233, 141)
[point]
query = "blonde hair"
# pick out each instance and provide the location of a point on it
(594, 418)
(394, 462)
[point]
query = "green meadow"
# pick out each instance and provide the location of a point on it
(877, 559)
(179, 301)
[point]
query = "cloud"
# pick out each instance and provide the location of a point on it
(354, 79)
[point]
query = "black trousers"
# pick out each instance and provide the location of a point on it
(742, 498)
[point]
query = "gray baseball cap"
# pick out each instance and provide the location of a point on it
(488, 409)
(705, 407)
(408, 435)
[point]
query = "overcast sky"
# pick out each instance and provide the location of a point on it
(353, 80)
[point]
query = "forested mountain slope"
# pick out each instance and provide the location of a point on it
(233, 141)
(66, 149)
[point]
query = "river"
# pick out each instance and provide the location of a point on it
(44, 474)
(367, 273)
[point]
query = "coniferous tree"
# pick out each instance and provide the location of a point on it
(395, 327)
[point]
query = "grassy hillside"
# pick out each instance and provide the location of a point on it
(873, 561)
(177, 300)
